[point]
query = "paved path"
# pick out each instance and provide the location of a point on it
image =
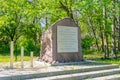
(42, 67)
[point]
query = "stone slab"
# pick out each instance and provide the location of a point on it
(50, 47)
(53, 70)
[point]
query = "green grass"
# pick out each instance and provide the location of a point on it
(6, 58)
(101, 59)
(94, 55)
(110, 61)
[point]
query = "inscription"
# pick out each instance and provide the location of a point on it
(67, 39)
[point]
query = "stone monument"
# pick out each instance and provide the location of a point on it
(61, 42)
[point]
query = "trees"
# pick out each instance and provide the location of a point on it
(97, 17)
(12, 13)
(25, 21)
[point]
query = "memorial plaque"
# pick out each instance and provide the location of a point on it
(67, 39)
(61, 42)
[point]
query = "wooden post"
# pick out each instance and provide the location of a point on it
(31, 54)
(22, 57)
(11, 54)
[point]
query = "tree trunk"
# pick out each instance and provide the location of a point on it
(114, 38)
(119, 34)
(114, 29)
(46, 22)
(105, 32)
(94, 33)
(114, 35)
(107, 45)
(96, 41)
(66, 8)
(102, 38)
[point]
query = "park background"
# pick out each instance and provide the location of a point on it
(24, 22)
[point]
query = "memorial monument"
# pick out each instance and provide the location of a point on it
(61, 42)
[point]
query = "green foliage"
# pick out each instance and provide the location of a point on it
(24, 21)
(28, 45)
(37, 50)
(87, 42)
(4, 49)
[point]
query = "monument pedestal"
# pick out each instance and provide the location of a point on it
(61, 42)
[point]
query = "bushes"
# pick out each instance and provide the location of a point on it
(4, 49)
(28, 45)
(87, 41)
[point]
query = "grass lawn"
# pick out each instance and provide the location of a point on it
(6, 58)
(95, 57)
(99, 58)
(111, 61)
